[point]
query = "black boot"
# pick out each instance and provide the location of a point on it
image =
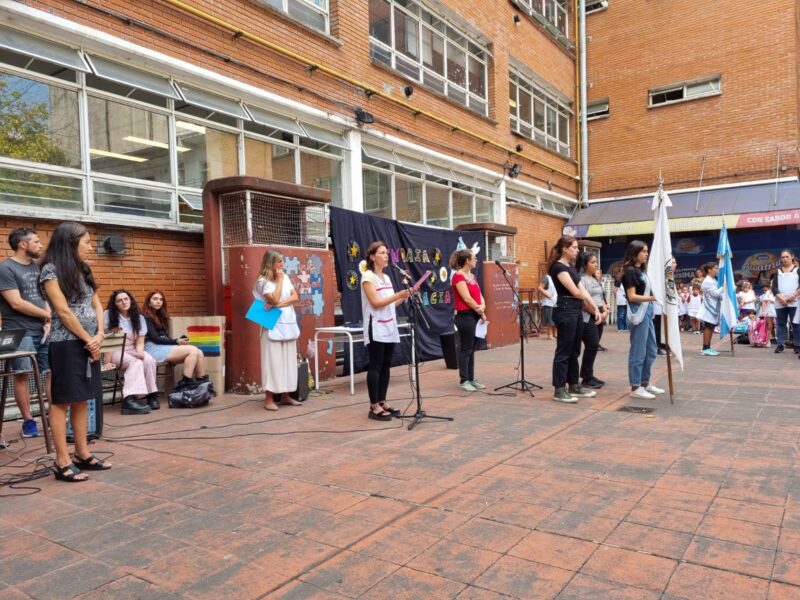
(183, 383)
(152, 401)
(131, 405)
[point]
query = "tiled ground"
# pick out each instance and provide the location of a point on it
(517, 497)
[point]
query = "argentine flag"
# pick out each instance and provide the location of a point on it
(728, 310)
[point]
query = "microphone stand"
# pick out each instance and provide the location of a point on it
(415, 311)
(520, 384)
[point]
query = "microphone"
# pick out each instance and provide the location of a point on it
(502, 268)
(403, 272)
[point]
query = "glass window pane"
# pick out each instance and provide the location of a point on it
(129, 141)
(437, 206)
(456, 64)
(484, 210)
(380, 21)
(477, 83)
(325, 137)
(210, 153)
(462, 208)
(213, 102)
(563, 128)
(408, 200)
(268, 161)
(551, 122)
(129, 200)
(133, 77)
(538, 114)
(39, 189)
(305, 14)
(377, 194)
(525, 106)
(38, 122)
(274, 121)
(321, 172)
(187, 214)
(433, 50)
(41, 48)
(406, 34)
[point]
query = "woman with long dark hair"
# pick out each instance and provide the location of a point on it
(572, 297)
(76, 335)
(123, 314)
(163, 348)
(378, 300)
(643, 350)
(709, 313)
(279, 344)
(786, 289)
(470, 307)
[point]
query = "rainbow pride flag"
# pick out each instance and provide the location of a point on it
(206, 337)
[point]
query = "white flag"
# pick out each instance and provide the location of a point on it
(662, 276)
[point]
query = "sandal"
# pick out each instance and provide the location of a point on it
(381, 416)
(395, 412)
(272, 406)
(90, 463)
(68, 473)
(290, 402)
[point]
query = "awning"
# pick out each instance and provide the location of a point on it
(744, 206)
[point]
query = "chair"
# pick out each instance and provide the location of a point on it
(34, 370)
(112, 373)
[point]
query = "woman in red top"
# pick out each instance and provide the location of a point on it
(470, 307)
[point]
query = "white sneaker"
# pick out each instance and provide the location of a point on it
(468, 387)
(653, 389)
(477, 385)
(642, 394)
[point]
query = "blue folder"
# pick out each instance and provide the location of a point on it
(266, 318)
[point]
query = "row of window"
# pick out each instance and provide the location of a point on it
(670, 94)
(537, 115)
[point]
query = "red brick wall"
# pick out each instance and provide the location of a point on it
(535, 230)
(636, 46)
(170, 260)
(350, 23)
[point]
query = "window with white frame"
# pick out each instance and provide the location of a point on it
(149, 149)
(427, 48)
(688, 90)
(597, 109)
(407, 189)
(596, 5)
(314, 13)
(552, 12)
(538, 115)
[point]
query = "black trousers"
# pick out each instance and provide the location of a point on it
(465, 321)
(657, 325)
(569, 324)
(380, 363)
(591, 342)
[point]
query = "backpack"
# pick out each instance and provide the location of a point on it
(192, 395)
(758, 333)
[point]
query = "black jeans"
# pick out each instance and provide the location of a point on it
(380, 363)
(591, 342)
(465, 321)
(657, 325)
(567, 317)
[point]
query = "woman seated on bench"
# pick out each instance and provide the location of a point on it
(170, 350)
(137, 365)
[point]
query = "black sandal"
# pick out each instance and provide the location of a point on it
(395, 412)
(381, 416)
(68, 473)
(90, 463)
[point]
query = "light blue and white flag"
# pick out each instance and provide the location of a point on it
(661, 273)
(728, 310)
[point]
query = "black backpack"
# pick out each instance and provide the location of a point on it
(192, 395)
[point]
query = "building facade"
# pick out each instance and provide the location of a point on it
(427, 111)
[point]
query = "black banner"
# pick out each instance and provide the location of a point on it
(413, 247)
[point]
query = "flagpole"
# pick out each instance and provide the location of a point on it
(664, 317)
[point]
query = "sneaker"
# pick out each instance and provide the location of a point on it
(477, 385)
(641, 394)
(581, 392)
(562, 395)
(778, 348)
(709, 352)
(592, 384)
(29, 429)
(662, 352)
(653, 389)
(468, 387)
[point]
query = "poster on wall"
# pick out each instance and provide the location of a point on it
(415, 248)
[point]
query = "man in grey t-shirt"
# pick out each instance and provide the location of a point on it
(22, 307)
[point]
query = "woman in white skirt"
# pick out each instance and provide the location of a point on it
(279, 344)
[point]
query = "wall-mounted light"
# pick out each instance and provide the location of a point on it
(514, 170)
(519, 148)
(516, 19)
(363, 117)
(114, 244)
(408, 90)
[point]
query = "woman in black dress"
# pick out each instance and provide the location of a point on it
(76, 335)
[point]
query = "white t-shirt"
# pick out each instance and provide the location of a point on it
(551, 289)
(384, 319)
(127, 326)
(622, 299)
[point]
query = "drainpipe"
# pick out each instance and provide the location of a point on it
(582, 108)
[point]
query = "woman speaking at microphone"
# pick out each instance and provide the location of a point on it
(378, 300)
(470, 308)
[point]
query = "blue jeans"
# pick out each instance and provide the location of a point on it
(32, 342)
(781, 316)
(643, 349)
(622, 318)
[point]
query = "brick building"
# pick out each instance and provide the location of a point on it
(117, 113)
(705, 94)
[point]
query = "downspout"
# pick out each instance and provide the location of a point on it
(584, 147)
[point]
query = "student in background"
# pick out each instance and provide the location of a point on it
(622, 307)
(549, 297)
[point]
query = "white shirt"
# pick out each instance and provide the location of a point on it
(551, 289)
(622, 299)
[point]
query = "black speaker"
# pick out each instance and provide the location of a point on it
(94, 418)
(450, 348)
(301, 393)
